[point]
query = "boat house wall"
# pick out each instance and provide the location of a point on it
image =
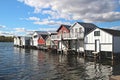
(62, 45)
(35, 38)
(77, 44)
(105, 41)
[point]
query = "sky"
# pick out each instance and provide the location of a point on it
(20, 17)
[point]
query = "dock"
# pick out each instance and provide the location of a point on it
(115, 77)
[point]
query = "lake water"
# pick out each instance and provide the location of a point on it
(28, 64)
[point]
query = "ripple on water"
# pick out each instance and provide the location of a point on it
(27, 64)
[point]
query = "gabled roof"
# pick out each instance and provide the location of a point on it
(87, 25)
(67, 26)
(111, 31)
(44, 36)
(41, 32)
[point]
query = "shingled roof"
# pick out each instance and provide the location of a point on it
(87, 25)
(44, 36)
(41, 32)
(111, 31)
(67, 26)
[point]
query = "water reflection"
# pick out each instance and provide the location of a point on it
(28, 64)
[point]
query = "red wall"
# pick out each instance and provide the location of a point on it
(62, 29)
(41, 41)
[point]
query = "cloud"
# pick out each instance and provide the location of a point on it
(86, 10)
(33, 18)
(46, 21)
(5, 33)
(2, 26)
(48, 29)
(50, 22)
(20, 29)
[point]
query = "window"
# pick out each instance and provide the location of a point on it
(35, 36)
(80, 30)
(64, 31)
(97, 33)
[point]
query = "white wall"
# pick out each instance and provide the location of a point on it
(76, 45)
(15, 40)
(104, 38)
(35, 40)
(48, 41)
(61, 46)
(76, 26)
(116, 43)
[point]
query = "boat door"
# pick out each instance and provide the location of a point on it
(97, 45)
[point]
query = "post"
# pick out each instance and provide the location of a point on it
(112, 57)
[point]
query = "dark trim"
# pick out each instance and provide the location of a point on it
(89, 43)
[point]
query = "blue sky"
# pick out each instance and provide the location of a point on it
(23, 16)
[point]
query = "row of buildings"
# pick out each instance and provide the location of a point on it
(81, 37)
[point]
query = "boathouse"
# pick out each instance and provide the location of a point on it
(61, 43)
(50, 43)
(22, 41)
(25, 41)
(76, 35)
(17, 41)
(38, 38)
(104, 41)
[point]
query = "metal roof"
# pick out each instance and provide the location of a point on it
(111, 31)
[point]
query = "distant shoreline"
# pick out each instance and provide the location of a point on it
(6, 39)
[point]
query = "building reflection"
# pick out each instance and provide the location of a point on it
(45, 65)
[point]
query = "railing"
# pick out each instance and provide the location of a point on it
(73, 35)
(68, 36)
(55, 37)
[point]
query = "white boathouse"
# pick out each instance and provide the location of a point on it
(22, 41)
(36, 36)
(77, 34)
(103, 40)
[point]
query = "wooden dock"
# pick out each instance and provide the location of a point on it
(115, 77)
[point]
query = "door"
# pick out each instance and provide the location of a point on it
(97, 45)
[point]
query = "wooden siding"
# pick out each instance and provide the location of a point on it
(63, 29)
(76, 43)
(41, 41)
(104, 38)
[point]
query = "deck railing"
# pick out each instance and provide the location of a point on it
(68, 36)
(73, 35)
(56, 37)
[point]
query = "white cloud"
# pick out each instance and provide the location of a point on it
(48, 29)
(46, 21)
(2, 26)
(50, 22)
(20, 29)
(33, 18)
(5, 33)
(86, 10)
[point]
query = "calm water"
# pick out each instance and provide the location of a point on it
(25, 64)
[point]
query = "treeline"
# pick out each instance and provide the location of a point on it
(6, 39)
